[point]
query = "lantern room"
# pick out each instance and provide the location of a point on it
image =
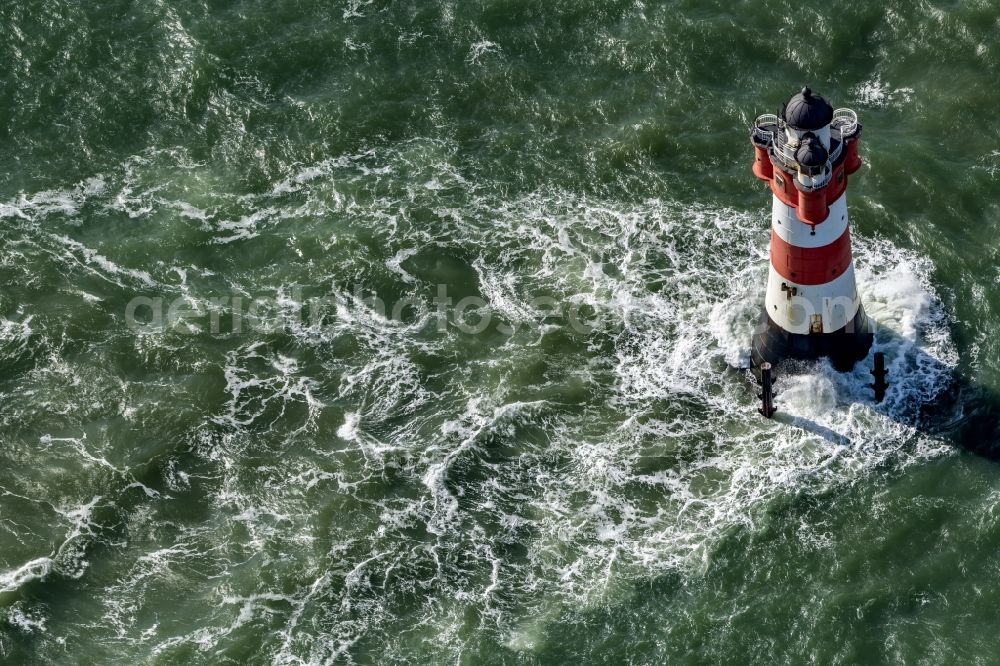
(806, 152)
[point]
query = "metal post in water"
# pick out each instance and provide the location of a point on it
(766, 394)
(879, 372)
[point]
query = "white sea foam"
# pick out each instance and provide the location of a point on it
(876, 93)
(354, 7)
(100, 265)
(34, 570)
(258, 398)
(349, 430)
(479, 49)
(65, 203)
(395, 263)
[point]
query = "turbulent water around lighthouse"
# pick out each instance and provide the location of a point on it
(372, 332)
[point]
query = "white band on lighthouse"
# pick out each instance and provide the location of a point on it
(792, 230)
(791, 306)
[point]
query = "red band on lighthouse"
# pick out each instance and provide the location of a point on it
(811, 265)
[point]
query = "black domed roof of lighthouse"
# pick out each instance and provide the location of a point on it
(808, 111)
(811, 152)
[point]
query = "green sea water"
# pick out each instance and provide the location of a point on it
(417, 332)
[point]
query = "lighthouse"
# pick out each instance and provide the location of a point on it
(806, 153)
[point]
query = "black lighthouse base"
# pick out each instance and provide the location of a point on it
(845, 347)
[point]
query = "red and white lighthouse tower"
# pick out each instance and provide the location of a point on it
(806, 153)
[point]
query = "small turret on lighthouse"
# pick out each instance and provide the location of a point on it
(806, 153)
